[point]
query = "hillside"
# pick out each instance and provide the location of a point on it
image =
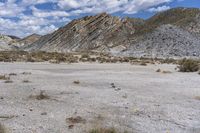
(27, 40)
(102, 32)
(166, 41)
(176, 31)
(4, 42)
(186, 18)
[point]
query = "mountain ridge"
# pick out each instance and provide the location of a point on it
(106, 33)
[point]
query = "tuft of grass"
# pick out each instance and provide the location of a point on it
(76, 119)
(26, 73)
(26, 81)
(188, 65)
(159, 70)
(143, 64)
(8, 81)
(12, 74)
(76, 82)
(166, 72)
(41, 96)
(85, 56)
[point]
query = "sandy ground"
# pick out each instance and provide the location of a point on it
(142, 101)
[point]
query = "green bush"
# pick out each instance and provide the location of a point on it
(188, 65)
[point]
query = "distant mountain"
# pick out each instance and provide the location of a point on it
(172, 33)
(13, 37)
(27, 40)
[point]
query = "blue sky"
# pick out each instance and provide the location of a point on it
(25, 17)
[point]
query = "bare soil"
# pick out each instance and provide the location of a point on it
(122, 96)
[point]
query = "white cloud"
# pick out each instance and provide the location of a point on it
(159, 9)
(23, 17)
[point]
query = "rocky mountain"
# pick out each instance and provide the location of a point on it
(27, 40)
(172, 33)
(102, 32)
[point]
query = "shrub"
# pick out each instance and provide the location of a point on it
(188, 65)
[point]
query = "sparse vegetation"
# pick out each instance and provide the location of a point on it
(188, 65)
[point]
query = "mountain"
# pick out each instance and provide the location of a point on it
(172, 33)
(186, 18)
(27, 40)
(102, 32)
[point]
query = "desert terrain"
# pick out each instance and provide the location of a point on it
(75, 98)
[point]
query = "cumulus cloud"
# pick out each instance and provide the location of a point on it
(26, 17)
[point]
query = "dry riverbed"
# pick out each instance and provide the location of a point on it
(74, 98)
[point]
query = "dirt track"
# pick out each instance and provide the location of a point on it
(140, 100)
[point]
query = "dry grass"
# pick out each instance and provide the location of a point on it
(12, 74)
(8, 81)
(197, 98)
(41, 96)
(76, 82)
(4, 77)
(166, 72)
(26, 73)
(143, 64)
(74, 120)
(26, 81)
(159, 70)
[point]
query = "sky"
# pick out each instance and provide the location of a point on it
(25, 17)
